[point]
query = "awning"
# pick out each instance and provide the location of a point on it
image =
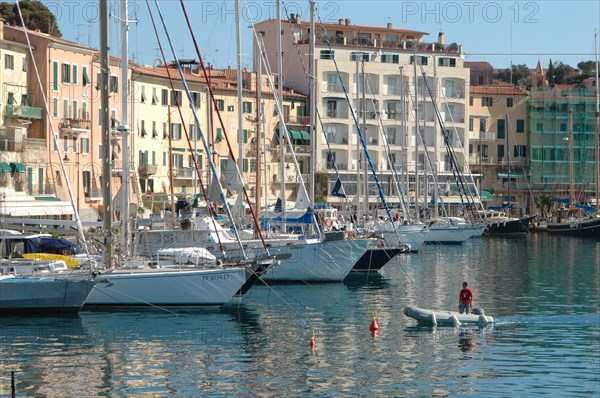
(52, 198)
(177, 149)
(305, 135)
(18, 167)
(486, 196)
(5, 168)
(517, 173)
(296, 134)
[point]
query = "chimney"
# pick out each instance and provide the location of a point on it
(442, 39)
(341, 21)
(389, 25)
(347, 21)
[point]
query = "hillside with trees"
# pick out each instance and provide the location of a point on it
(35, 15)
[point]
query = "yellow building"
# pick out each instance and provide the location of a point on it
(498, 134)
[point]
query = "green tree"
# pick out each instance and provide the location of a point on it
(35, 15)
(588, 68)
(563, 72)
(544, 203)
(550, 74)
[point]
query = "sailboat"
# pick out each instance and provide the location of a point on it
(156, 283)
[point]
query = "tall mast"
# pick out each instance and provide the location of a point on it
(104, 122)
(571, 167)
(312, 104)
(124, 129)
(597, 122)
(282, 129)
(364, 129)
(258, 138)
(240, 93)
(416, 143)
(358, 195)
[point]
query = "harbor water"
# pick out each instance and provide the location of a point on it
(543, 291)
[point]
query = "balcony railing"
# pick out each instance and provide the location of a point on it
(147, 169)
(26, 112)
(74, 123)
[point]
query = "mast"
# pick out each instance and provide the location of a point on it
(258, 138)
(416, 143)
(312, 105)
(124, 129)
(507, 154)
(358, 149)
(597, 123)
(571, 167)
(282, 129)
(104, 122)
(240, 93)
(364, 129)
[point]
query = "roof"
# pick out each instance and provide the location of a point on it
(478, 64)
(345, 25)
(54, 39)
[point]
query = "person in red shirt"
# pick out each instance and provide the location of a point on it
(465, 299)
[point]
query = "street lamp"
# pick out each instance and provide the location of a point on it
(66, 159)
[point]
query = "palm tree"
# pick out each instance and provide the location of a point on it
(544, 203)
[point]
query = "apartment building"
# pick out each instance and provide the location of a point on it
(389, 76)
(498, 140)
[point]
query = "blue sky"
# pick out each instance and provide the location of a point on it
(500, 32)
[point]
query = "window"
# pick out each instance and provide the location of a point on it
(327, 54)
(176, 98)
(420, 60)
(390, 58)
(25, 65)
(154, 132)
(143, 94)
(483, 150)
(55, 76)
(219, 136)
(245, 136)
(520, 126)
(55, 143)
(10, 100)
(470, 101)
(247, 107)
(220, 104)
(85, 145)
(509, 102)
(482, 124)
(75, 77)
(443, 61)
(84, 111)
(65, 108)
(55, 107)
(192, 132)
(165, 132)
(195, 100)
(470, 124)
(154, 96)
(230, 108)
(362, 56)
(164, 100)
(143, 129)
(65, 73)
(100, 151)
(65, 143)
(520, 151)
(176, 131)
(164, 162)
(9, 61)
(501, 124)
(75, 146)
(84, 76)
(487, 101)
(500, 151)
(74, 110)
(114, 84)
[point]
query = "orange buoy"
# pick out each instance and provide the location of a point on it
(374, 326)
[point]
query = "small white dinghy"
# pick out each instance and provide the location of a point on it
(438, 317)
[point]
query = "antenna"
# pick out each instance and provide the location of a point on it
(79, 25)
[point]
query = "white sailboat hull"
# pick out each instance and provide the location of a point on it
(24, 295)
(412, 236)
(167, 287)
(318, 262)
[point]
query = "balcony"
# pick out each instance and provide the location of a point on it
(184, 172)
(23, 112)
(76, 125)
(147, 169)
(296, 120)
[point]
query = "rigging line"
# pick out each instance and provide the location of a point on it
(452, 156)
(278, 106)
(465, 160)
(231, 153)
(202, 136)
(396, 179)
(176, 98)
(54, 135)
(359, 131)
(329, 150)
